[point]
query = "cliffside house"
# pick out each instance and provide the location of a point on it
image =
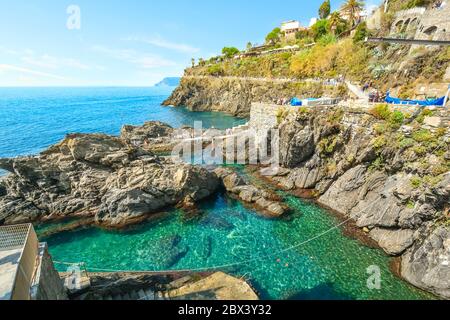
(26, 268)
(290, 28)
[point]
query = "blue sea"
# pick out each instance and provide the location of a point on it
(32, 119)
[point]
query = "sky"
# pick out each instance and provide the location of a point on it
(129, 43)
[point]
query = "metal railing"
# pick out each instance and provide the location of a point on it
(21, 237)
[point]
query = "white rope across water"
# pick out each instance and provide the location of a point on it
(235, 264)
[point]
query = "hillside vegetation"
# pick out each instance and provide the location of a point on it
(328, 49)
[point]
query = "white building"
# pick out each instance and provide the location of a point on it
(290, 28)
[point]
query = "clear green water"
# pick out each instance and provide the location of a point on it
(331, 267)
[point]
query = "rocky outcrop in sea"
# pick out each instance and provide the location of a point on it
(118, 180)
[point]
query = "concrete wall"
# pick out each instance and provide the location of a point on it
(47, 284)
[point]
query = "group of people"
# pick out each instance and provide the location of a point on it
(283, 101)
(374, 94)
(439, 4)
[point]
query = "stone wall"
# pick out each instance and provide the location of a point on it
(47, 283)
(418, 23)
(263, 116)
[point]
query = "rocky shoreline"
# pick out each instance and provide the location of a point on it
(116, 182)
(331, 156)
(371, 176)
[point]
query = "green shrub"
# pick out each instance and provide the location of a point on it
(410, 204)
(419, 150)
(440, 132)
(274, 36)
(416, 3)
(377, 165)
(379, 142)
(326, 39)
(230, 52)
(416, 182)
(396, 119)
(423, 135)
(361, 33)
(215, 70)
(381, 111)
(327, 146)
(282, 114)
(406, 143)
(380, 128)
(319, 29)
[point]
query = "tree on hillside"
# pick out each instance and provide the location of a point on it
(230, 52)
(353, 9)
(193, 62)
(361, 32)
(319, 29)
(325, 9)
(336, 23)
(274, 36)
(249, 45)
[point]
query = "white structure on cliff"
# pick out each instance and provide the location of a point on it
(290, 28)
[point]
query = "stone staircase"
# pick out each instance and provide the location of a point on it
(357, 91)
(141, 294)
(147, 294)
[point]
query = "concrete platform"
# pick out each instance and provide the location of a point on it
(9, 263)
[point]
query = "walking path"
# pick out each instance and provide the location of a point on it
(357, 91)
(265, 79)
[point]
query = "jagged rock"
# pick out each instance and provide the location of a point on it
(427, 263)
(296, 144)
(98, 175)
(273, 209)
(394, 242)
(154, 135)
(264, 201)
(434, 122)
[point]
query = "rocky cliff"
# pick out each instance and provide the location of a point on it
(116, 179)
(391, 178)
(235, 95)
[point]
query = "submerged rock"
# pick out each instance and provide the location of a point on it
(98, 175)
(264, 201)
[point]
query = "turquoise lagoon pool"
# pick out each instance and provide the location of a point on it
(236, 240)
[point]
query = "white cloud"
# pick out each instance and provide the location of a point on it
(21, 70)
(160, 42)
(46, 61)
(145, 61)
(50, 62)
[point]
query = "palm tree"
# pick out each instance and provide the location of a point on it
(334, 21)
(353, 9)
